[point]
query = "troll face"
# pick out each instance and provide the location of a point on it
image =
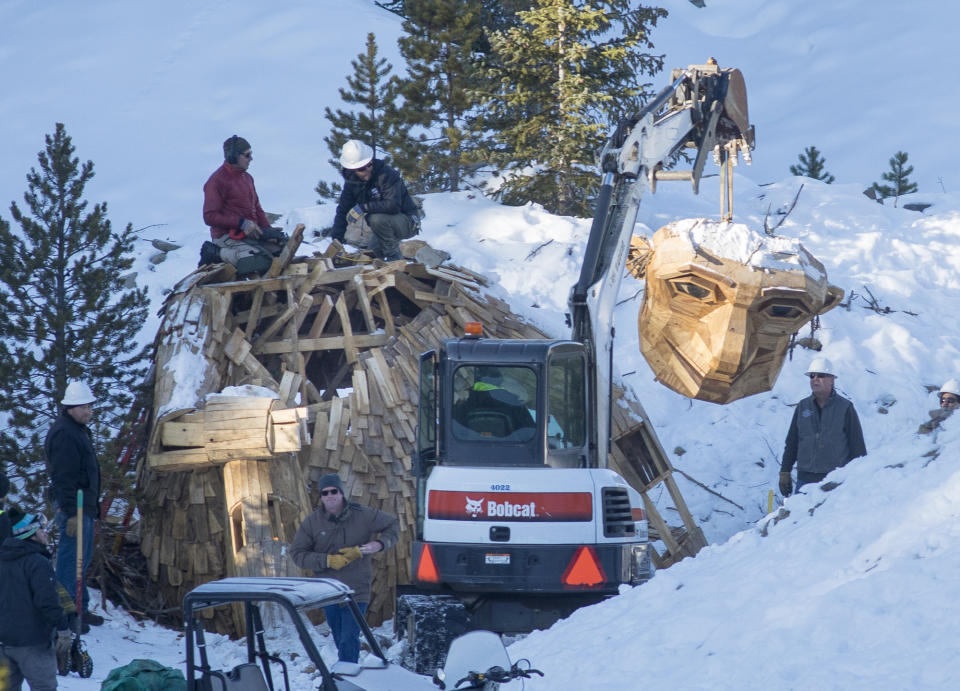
(716, 327)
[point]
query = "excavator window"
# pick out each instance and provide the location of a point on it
(566, 421)
(494, 402)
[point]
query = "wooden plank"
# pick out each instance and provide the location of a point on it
(389, 326)
(360, 391)
(219, 311)
(253, 320)
(321, 267)
(186, 459)
(237, 347)
(364, 301)
(287, 416)
(408, 286)
(423, 296)
(388, 390)
(182, 434)
(277, 323)
(288, 253)
(318, 445)
(289, 386)
(307, 345)
(251, 285)
(333, 427)
(221, 402)
(285, 438)
(349, 345)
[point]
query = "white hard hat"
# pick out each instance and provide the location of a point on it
(78, 393)
(821, 365)
(355, 154)
(952, 386)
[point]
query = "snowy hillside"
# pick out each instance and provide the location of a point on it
(849, 589)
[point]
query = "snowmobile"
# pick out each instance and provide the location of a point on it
(464, 656)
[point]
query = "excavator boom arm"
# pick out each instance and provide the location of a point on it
(704, 108)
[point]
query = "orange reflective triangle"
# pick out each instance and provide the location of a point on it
(427, 570)
(584, 569)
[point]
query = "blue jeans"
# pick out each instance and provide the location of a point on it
(805, 478)
(67, 556)
(345, 630)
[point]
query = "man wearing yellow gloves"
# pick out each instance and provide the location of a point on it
(336, 541)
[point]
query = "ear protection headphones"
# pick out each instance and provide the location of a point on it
(232, 152)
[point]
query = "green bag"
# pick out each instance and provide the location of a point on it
(144, 675)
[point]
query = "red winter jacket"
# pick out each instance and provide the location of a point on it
(228, 197)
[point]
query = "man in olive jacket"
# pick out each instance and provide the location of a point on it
(336, 541)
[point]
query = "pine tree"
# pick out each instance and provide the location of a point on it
(812, 166)
(439, 47)
(898, 177)
(564, 75)
(64, 312)
(373, 89)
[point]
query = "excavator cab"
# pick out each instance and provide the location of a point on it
(498, 402)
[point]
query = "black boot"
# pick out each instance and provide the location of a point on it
(92, 619)
(209, 253)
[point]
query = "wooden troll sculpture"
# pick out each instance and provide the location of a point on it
(720, 304)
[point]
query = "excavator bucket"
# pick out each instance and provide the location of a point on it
(721, 303)
(735, 103)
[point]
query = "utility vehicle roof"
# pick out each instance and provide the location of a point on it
(301, 593)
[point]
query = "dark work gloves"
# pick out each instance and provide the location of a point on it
(786, 484)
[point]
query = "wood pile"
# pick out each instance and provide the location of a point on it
(329, 347)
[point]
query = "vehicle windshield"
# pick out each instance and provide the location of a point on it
(494, 403)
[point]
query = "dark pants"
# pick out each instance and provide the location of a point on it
(67, 556)
(345, 630)
(805, 478)
(388, 231)
(37, 664)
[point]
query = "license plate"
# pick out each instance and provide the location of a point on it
(497, 558)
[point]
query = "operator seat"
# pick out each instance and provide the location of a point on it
(245, 677)
(489, 423)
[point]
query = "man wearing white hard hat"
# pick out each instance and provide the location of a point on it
(375, 194)
(73, 465)
(824, 434)
(950, 395)
(949, 399)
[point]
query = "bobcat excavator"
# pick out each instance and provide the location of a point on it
(519, 519)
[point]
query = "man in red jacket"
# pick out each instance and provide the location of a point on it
(239, 230)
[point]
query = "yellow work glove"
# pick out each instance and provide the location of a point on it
(351, 553)
(336, 561)
(786, 484)
(72, 526)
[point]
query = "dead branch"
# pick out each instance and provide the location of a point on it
(536, 250)
(711, 491)
(766, 226)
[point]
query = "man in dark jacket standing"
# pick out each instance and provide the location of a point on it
(239, 230)
(375, 193)
(336, 541)
(30, 608)
(824, 434)
(73, 465)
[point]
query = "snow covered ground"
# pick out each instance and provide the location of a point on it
(849, 588)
